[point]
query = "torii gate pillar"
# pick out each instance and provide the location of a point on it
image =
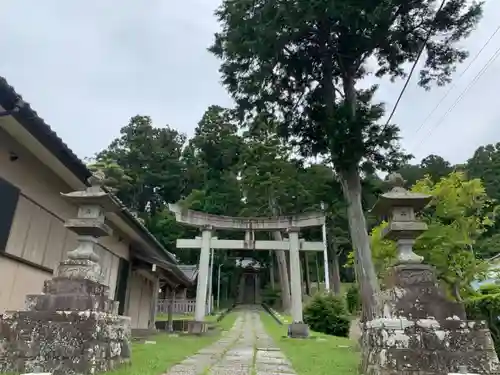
(198, 325)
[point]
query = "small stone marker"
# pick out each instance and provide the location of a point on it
(38, 373)
(150, 342)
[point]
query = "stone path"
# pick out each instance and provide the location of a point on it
(245, 350)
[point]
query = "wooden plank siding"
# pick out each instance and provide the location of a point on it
(39, 237)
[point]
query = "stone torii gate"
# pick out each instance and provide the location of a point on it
(209, 223)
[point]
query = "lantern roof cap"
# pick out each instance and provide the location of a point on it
(398, 196)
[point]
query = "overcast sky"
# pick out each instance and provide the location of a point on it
(87, 66)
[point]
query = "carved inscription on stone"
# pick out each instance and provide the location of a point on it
(412, 277)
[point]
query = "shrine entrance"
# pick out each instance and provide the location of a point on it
(249, 289)
(249, 285)
(208, 223)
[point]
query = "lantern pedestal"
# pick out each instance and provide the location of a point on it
(298, 330)
(422, 332)
(72, 328)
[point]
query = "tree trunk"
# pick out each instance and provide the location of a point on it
(456, 291)
(365, 271)
(335, 269)
(286, 299)
(271, 269)
(308, 274)
(283, 275)
(351, 187)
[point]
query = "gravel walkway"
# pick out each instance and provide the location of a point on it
(245, 350)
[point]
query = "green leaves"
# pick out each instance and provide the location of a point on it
(212, 157)
(144, 153)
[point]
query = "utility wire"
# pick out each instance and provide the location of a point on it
(453, 85)
(460, 97)
(429, 33)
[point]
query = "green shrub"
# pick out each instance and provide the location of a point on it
(353, 299)
(270, 297)
(327, 313)
(486, 307)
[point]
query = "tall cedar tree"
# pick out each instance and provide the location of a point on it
(300, 61)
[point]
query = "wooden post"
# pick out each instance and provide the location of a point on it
(171, 310)
(154, 302)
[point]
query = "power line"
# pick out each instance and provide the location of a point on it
(460, 97)
(454, 84)
(429, 33)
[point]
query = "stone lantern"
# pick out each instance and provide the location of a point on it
(73, 327)
(400, 207)
(421, 331)
(92, 203)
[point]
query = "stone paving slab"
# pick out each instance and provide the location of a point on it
(272, 368)
(244, 350)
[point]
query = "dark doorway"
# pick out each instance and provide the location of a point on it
(249, 289)
(9, 196)
(121, 285)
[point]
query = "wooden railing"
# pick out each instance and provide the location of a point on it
(181, 306)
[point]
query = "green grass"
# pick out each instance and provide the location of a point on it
(327, 355)
(156, 359)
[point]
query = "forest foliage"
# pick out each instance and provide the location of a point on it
(223, 171)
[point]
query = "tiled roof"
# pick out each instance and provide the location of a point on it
(191, 271)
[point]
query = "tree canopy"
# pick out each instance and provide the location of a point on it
(258, 164)
(300, 63)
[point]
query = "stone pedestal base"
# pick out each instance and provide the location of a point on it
(71, 329)
(298, 330)
(197, 328)
(422, 332)
(426, 346)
